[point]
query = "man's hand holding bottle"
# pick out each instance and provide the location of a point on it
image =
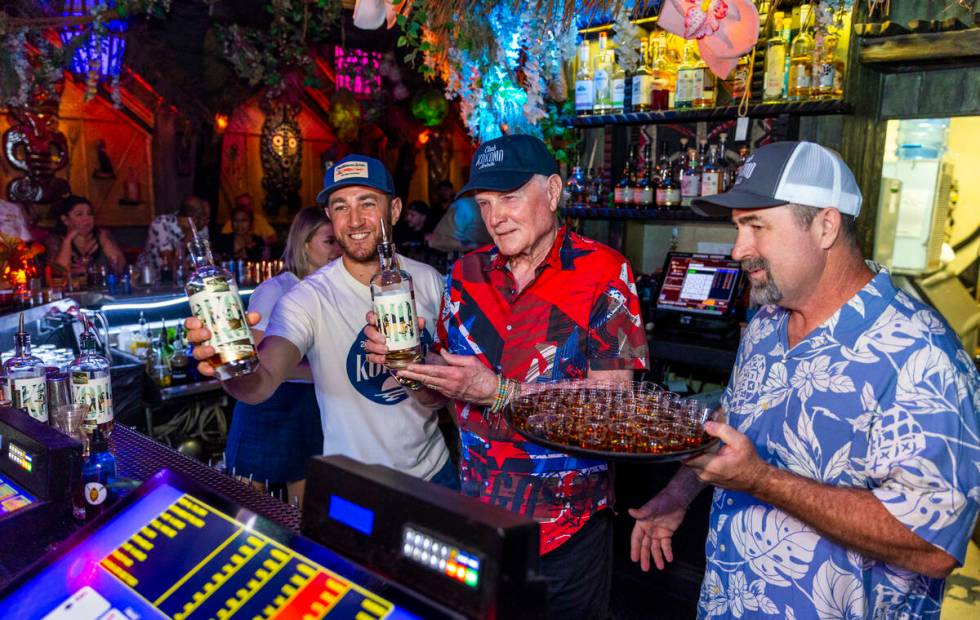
(198, 334)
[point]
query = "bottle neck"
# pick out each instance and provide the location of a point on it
(87, 344)
(386, 256)
(22, 344)
(200, 253)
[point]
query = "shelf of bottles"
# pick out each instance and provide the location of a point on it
(661, 216)
(796, 69)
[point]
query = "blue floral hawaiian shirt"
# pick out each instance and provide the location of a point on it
(880, 397)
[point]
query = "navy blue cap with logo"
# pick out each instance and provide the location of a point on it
(356, 170)
(508, 162)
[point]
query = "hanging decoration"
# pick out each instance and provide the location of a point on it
(626, 38)
(34, 146)
(724, 29)
(504, 65)
(282, 155)
(430, 107)
(280, 56)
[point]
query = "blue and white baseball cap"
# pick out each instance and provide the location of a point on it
(356, 170)
(780, 173)
(508, 162)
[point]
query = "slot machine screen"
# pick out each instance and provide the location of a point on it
(698, 283)
(173, 550)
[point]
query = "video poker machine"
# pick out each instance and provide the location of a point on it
(38, 465)
(175, 549)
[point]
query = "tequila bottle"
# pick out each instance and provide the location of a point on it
(828, 68)
(91, 383)
(584, 88)
(26, 377)
(393, 298)
(214, 300)
(801, 59)
(602, 77)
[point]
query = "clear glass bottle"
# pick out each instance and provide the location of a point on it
(214, 300)
(91, 383)
(828, 68)
(393, 301)
(801, 59)
(662, 92)
(584, 88)
(158, 364)
(602, 77)
(691, 178)
(179, 362)
(776, 54)
(711, 173)
(688, 71)
(26, 380)
(642, 81)
(140, 342)
(618, 78)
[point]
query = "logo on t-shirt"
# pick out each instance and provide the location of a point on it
(373, 381)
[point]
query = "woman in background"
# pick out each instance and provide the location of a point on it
(77, 244)
(271, 441)
(241, 243)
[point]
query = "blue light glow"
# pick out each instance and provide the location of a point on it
(103, 52)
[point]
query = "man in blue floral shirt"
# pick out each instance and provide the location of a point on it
(848, 481)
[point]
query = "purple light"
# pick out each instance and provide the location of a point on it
(104, 50)
(358, 71)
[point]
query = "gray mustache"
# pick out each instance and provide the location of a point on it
(751, 264)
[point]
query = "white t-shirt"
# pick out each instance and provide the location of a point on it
(365, 413)
(266, 295)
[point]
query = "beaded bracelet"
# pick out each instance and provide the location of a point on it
(507, 390)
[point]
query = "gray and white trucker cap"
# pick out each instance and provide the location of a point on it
(780, 173)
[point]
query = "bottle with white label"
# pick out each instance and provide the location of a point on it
(618, 77)
(91, 384)
(584, 99)
(393, 301)
(26, 381)
(602, 77)
(213, 296)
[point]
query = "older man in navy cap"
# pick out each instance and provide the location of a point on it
(847, 483)
(365, 413)
(540, 304)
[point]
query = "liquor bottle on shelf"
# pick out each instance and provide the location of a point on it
(828, 68)
(664, 73)
(618, 80)
(724, 169)
(574, 188)
(595, 189)
(711, 173)
(26, 377)
(642, 85)
(738, 82)
(706, 86)
(91, 383)
(140, 341)
(776, 55)
(668, 194)
(801, 59)
(602, 77)
(691, 178)
(584, 93)
(643, 192)
(179, 362)
(214, 300)
(687, 78)
(393, 301)
(623, 194)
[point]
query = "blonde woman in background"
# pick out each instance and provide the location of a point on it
(270, 442)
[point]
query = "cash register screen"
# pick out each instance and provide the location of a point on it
(173, 554)
(699, 283)
(12, 497)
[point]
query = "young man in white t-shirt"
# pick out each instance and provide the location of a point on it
(365, 413)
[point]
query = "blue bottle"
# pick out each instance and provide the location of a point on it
(97, 473)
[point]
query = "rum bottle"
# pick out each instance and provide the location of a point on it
(91, 383)
(214, 300)
(26, 381)
(393, 298)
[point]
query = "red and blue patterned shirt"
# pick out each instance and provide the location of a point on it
(580, 313)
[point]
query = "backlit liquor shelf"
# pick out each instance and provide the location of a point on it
(664, 216)
(755, 110)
